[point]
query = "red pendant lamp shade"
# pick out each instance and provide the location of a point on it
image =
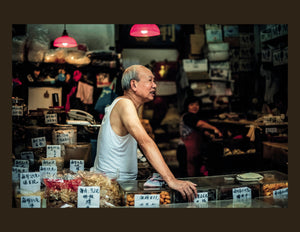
(144, 30)
(65, 41)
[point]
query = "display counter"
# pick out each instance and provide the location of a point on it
(266, 189)
(244, 190)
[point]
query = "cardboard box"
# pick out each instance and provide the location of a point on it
(218, 56)
(231, 31)
(213, 26)
(195, 65)
(213, 47)
(214, 35)
(220, 65)
(197, 42)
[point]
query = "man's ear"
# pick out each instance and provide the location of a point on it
(133, 84)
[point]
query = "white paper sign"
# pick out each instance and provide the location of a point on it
(48, 162)
(21, 163)
(241, 193)
(38, 142)
(53, 151)
(88, 197)
(30, 182)
(31, 202)
(51, 119)
(48, 171)
(280, 193)
(201, 197)
(270, 130)
(17, 110)
(63, 138)
(16, 173)
(76, 165)
(28, 155)
(146, 200)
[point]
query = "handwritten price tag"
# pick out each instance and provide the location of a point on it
(201, 197)
(281, 193)
(241, 193)
(63, 138)
(16, 173)
(21, 163)
(51, 119)
(48, 162)
(38, 142)
(146, 200)
(53, 151)
(48, 171)
(30, 182)
(88, 197)
(31, 202)
(76, 165)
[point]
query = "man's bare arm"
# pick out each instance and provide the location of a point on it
(129, 118)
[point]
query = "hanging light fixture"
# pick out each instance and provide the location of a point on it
(65, 41)
(144, 30)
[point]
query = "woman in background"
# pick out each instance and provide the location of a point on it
(192, 131)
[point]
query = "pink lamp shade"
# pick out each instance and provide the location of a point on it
(144, 30)
(65, 42)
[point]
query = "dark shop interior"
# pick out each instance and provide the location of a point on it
(211, 111)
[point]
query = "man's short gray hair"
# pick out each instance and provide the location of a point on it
(130, 73)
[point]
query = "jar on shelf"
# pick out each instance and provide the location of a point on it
(19, 109)
(64, 134)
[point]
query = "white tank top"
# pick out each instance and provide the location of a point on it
(116, 155)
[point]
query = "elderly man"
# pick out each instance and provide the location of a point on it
(121, 131)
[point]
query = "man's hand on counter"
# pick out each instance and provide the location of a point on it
(186, 188)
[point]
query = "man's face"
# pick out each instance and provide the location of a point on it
(146, 86)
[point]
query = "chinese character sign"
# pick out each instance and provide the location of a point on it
(38, 142)
(202, 197)
(30, 182)
(76, 165)
(16, 173)
(88, 197)
(146, 200)
(51, 119)
(21, 163)
(31, 202)
(241, 193)
(53, 151)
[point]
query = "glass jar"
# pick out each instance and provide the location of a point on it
(64, 134)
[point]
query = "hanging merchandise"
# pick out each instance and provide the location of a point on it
(85, 92)
(106, 98)
(76, 77)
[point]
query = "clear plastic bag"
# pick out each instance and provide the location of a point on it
(38, 44)
(18, 48)
(109, 188)
(62, 190)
